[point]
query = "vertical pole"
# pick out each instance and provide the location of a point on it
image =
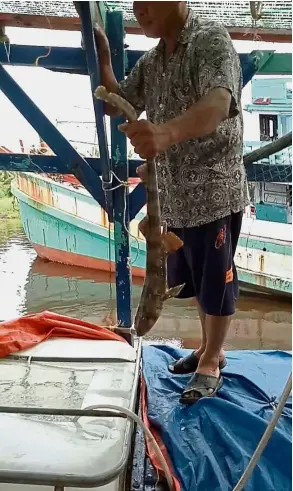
(119, 161)
(87, 22)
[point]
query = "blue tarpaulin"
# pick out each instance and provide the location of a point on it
(210, 443)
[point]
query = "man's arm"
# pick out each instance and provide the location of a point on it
(131, 89)
(202, 118)
(108, 78)
(217, 79)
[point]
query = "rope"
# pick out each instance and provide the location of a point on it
(106, 189)
(42, 56)
(125, 185)
(7, 47)
(266, 437)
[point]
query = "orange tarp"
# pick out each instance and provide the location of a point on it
(27, 331)
(151, 453)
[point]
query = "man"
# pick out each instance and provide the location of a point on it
(190, 87)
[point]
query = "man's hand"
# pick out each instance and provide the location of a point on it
(148, 139)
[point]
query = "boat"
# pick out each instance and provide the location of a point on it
(65, 224)
(73, 229)
(269, 117)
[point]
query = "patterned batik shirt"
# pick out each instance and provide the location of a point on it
(203, 179)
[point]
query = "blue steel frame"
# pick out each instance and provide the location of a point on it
(73, 60)
(115, 32)
(19, 162)
(67, 160)
(74, 162)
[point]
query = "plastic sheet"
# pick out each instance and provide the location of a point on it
(211, 442)
(25, 332)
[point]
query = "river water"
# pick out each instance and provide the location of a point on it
(29, 285)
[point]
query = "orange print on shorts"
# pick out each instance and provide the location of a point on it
(221, 238)
(229, 276)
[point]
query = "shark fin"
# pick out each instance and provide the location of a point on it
(173, 292)
(143, 227)
(142, 172)
(171, 242)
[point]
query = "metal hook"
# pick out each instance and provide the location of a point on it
(256, 10)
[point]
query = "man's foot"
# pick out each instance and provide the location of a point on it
(189, 364)
(205, 382)
(201, 386)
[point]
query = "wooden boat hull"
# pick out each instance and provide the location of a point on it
(65, 225)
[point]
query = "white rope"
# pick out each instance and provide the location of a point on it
(266, 437)
(126, 185)
(147, 432)
(7, 47)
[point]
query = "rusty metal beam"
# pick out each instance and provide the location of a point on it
(73, 24)
(241, 34)
(41, 22)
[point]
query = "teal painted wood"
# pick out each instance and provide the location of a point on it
(49, 227)
(265, 245)
(271, 213)
(244, 241)
(279, 90)
(264, 282)
(269, 108)
(252, 242)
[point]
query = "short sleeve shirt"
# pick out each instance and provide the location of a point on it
(203, 179)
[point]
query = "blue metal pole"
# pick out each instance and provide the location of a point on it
(20, 162)
(87, 23)
(115, 33)
(74, 162)
(137, 200)
(73, 60)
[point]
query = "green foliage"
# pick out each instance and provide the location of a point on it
(5, 184)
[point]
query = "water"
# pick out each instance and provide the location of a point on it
(29, 284)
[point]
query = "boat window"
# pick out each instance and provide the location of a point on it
(268, 127)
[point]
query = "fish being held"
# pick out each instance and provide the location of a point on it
(159, 244)
(159, 241)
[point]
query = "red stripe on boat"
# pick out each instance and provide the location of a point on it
(73, 259)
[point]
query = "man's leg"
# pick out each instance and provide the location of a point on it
(217, 289)
(180, 269)
(202, 317)
(179, 272)
(216, 329)
(205, 321)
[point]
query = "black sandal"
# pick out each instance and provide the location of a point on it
(189, 364)
(201, 386)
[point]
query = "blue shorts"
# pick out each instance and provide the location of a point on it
(205, 264)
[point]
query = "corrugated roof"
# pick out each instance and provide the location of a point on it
(276, 14)
(50, 9)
